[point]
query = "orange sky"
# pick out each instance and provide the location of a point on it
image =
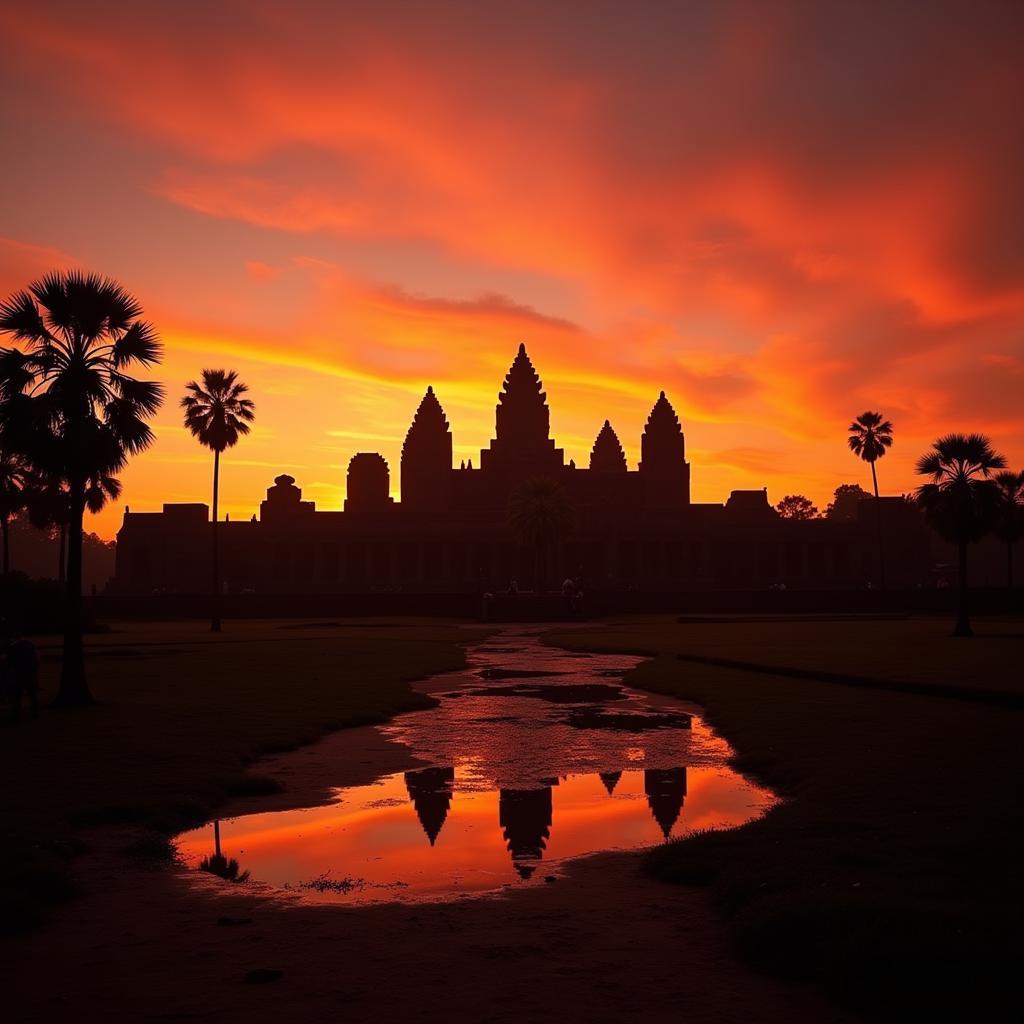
(781, 214)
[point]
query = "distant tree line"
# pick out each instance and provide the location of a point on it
(969, 495)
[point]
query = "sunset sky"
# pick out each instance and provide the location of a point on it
(782, 214)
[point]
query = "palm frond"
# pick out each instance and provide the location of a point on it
(138, 344)
(20, 316)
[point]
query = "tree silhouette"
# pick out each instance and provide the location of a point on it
(844, 501)
(218, 414)
(49, 509)
(16, 480)
(68, 403)
(870, 438)
(796, 506)
(540, 516)
(961, 502)
(48, 505)
(1010, 521)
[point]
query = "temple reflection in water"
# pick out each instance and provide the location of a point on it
(525, 816)
(430, 790)
(507, 789)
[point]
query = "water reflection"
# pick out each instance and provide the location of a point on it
(430, 790)
(217, 864)
(610, 780)
(512, 782)
(525, 819)
(666, 791)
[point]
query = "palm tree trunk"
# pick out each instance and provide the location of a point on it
(215, 596)
(1009, 565)
(62, 554)
(7, 546)
(878, 525)
(963, 619)
(73, 690)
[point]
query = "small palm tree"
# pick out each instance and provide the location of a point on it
(224, 867)
(218, 414)
(870, 438)
(69, 405)
(961, 502)
(1010, 523)
(49, 507)
(540, 516)
(16, 480)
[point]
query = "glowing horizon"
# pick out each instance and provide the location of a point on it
(781, 219)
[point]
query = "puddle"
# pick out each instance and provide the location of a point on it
(520, 778)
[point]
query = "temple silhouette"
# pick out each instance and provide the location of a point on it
(632, 529)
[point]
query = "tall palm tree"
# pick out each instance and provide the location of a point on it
(540, 516)
(218, 414)
(962, 500)
(1010, 522)
(870, 438)
(15, 486)
(69, 404)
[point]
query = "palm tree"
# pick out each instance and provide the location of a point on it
(540, 516)
(1010, 523)
(870, 438)
(962, 501)
(68, 403)
(15, 485)
(49, 507)
(217, 413)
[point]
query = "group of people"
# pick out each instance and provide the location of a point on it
(19, 673)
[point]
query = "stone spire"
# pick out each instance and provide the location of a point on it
(662, 442)
(522, 416)
(522, 447)
(368, 483)
(607, 455)
(427, 452)
(663, 466)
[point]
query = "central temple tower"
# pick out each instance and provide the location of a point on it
(522, 446)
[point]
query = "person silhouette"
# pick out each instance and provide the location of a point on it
(23, 675)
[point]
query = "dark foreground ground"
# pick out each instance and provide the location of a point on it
(891, 875)
(183, 714)
(888, 879)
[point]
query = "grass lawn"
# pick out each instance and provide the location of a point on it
(181, 714)
(891, 874)
(916, 651)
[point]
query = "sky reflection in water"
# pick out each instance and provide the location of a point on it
(512, 786)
